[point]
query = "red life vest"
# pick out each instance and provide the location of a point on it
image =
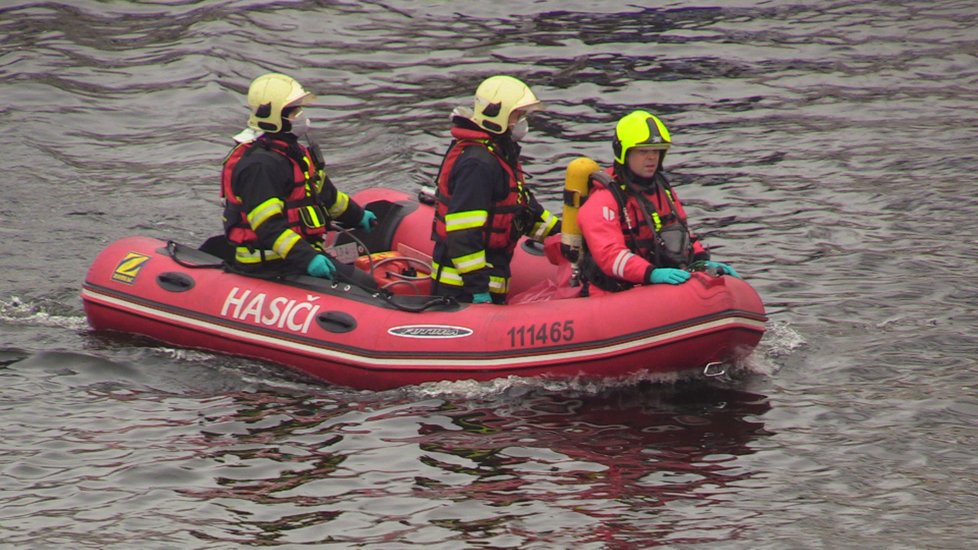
(665, 214)
(302, 209)
(501, 230)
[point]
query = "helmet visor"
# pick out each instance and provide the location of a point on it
(299, 97)
(530, 107)
(660, 146)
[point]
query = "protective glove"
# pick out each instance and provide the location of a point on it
(726, 269)
(368, 221)
(321, 266)
(481, 298)
(668, 275)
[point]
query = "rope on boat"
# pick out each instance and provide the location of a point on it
(385, 293)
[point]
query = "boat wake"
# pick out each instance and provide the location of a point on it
(517, 386)
(15, 311)
(780, 341)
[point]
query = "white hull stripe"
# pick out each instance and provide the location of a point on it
(420, 362)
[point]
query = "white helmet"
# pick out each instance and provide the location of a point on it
(497, 97)
(268, 95)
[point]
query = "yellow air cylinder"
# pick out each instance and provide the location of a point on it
(576, 187)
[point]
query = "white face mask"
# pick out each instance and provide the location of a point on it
(519, 130)
(300, 124)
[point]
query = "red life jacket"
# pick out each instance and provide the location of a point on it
(643, 227)
(501, 230)
(302, 209)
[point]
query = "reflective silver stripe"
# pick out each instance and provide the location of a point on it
(446, 275)
(472, 262)
(340, 206)
(265, 210)
(618, 268)
(466, 220)
(542, 228)
(450, 276)
(498, 285)
(285, 242)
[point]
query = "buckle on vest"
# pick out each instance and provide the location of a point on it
(313, 216)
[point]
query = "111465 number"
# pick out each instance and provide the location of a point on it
(543, 333)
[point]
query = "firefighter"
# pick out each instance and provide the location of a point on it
(482, 203)
(633, 223)
(279, 202)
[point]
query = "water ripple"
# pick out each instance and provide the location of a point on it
(826, 151)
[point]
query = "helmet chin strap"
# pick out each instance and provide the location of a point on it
(508, 147)
(632, 179)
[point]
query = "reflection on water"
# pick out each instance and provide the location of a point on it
(825, 150)
(601, 468)
(615, 463)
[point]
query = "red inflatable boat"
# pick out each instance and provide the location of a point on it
(396, 334)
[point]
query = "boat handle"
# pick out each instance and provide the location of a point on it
(175, 281)
(713, 369)
(336, 321)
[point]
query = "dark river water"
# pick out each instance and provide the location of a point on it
(828, 150)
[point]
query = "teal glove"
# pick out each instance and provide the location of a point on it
(321, 266)
(481, 298)
(722, 269)
(668, 275)
(368, 221)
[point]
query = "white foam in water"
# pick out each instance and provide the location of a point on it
(781, 340)
(16, 311)
(755, 363)
(516, 386)
(189, 355)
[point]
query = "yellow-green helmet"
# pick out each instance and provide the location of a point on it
(639, 129)
(497, 97)
(268, 95)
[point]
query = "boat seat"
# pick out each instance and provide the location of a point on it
(389, 214)
(218, 246)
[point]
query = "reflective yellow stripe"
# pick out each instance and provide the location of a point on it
(320, 180)
(305, 172)
(498, 285)
(542, 228)
(466, 220)
(312, 218)
(655, 215)
(245, 256)
(450, 276)
(342, 202)
(445, 275)
(470, 262)
(260, 214)
(285, 242)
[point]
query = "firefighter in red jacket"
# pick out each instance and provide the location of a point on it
(279, 202)
(634, 226)
(482, 203)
